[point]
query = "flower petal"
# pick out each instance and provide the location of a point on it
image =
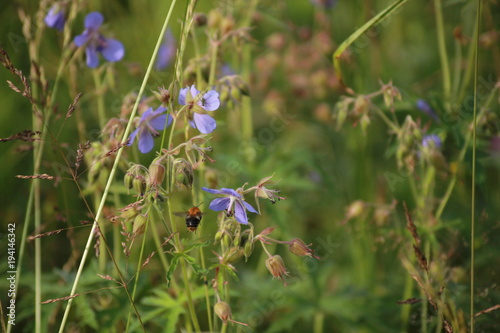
(131, 138)
(146, 142)
(229, 191)
(160, 123)
(93, 20)
(55, 18)
(92, 57)
(113, 50)
(81, 39)
(211, 100)
(204, 123)
(219, 204)
(240, 213)
(194, 92)
(249, 207)
(182, 96)
(211, 190)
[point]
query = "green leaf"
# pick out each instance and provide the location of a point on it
(194, 264)
(173, 266)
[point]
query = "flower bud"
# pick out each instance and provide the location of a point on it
(139, 185)
(129, 180)
(156, 173)
(299, 248)
(276, 267)
(235, 254)
(163, 95)
(223, 311)
(247, 251)
(355, 209)
(140, 224)
(361, 105)
(183, 171)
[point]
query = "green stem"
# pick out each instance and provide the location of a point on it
(138, 270)
(389, 123)
(100, 100)
(114, 168)
(319, 320)
(473, 185)
(192, 311)
(443, 54)
(360, 31)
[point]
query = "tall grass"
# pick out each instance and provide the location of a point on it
(350, 148)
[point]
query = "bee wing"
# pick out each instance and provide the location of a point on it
(181, 214)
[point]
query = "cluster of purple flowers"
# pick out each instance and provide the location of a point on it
(94, 42)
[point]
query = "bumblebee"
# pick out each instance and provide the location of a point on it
(193, 218)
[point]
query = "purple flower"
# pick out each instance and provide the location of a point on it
(111, 49)
(431, 141)
(426, 108)
(230, 198)
(198, 107)
(151, 122)
(167, 51)
(55, 17)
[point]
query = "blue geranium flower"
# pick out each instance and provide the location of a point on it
(55, 17)
(167, 51)
(151, 122)
(198, 106)
(231, 198)
(431, 141)
(111, 49)
(426, 108)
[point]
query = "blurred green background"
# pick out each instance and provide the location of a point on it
(322, 169)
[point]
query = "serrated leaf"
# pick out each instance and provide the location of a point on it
(173, 266)
(194, 264)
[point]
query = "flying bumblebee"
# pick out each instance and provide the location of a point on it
(193, 218)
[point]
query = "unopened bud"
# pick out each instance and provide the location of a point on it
(299, 248)
(355, 209)
(183, 173)
(128, 180)
(236, 253)
(361, 105)
(139, 184)
(276, 267)
(249, 246)
(140, 224)
(163, 95)
(156, 173)
(223, 311)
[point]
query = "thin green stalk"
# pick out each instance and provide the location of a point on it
(473, 185)
(114, 168)
(388, 11)
(192, 311)
(443, 54)
(138, 270)
(319, 320)
(461, 156)
(99, 95)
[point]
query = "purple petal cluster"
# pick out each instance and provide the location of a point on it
(232, 202)
(151, 122)
(55, 17)
(167, 51)
(111, 49)
(198, 105)
(431, 141)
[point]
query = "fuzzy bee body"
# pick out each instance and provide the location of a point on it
(193, 218)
